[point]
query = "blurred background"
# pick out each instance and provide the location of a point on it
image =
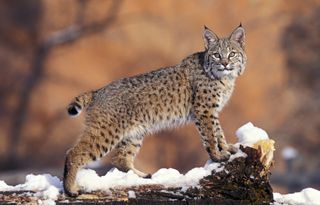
(50, 51)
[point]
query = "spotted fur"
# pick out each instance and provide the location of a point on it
(120, 114)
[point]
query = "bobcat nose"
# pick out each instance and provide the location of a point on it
(224, 63)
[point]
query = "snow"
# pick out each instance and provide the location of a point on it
(131, 194)
(289, 153)
(5, 187)
(248, 134)
(88, 180)
(47, 187)
(239, 153)
(308, 196)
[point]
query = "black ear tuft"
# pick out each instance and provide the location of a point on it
(240, 25)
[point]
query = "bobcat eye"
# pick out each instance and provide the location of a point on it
(232, 54)
(216, 55)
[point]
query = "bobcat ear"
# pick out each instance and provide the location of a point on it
(209, 37)
(238, 35)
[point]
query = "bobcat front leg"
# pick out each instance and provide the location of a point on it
(213, 138)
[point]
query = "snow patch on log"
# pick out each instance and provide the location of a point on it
(89, 180)
(46, 187)
(248, 134)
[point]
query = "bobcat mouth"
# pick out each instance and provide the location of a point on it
(228, 69)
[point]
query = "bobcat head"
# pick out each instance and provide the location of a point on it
(224, 56)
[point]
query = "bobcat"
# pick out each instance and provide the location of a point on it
(121, 113)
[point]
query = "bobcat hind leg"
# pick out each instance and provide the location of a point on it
(124, 154)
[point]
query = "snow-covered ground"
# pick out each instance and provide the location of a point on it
(48, 187)
(308, 196)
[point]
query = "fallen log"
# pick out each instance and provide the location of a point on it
(242, 180)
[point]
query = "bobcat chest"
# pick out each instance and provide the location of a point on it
(224, 93)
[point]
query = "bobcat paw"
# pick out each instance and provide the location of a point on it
(232, 149)
(224, 154)
(148, 176)
(72, 191)
(220, 156)
(141, 174)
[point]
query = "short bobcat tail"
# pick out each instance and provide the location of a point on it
(79, 103)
